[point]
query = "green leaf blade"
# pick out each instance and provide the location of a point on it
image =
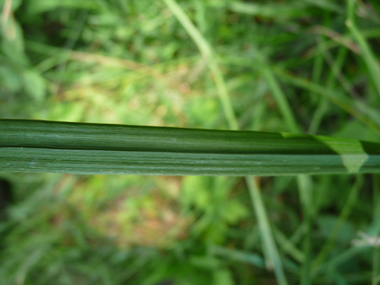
(42, 146)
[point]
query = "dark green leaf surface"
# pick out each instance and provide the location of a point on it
(43, 146)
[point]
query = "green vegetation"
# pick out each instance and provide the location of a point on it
(284, 67)
(45, 146)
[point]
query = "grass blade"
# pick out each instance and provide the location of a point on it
(265, 230)
(342, 102)
(271, 10)
(277, 93)
(304, 182)
(346, 211)
(366, 52)
(220, 84)
(208, 54)
(288, 246)
(45, 146)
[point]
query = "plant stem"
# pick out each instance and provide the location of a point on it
(207, 53)
(264, 225)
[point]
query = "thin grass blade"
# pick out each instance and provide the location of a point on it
(366, 51)
(229, 113)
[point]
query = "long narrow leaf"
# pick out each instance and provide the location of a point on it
(368, 56)
(44, 146)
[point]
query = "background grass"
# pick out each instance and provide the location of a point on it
(274, 65)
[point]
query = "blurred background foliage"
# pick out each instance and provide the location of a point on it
(132, 62)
